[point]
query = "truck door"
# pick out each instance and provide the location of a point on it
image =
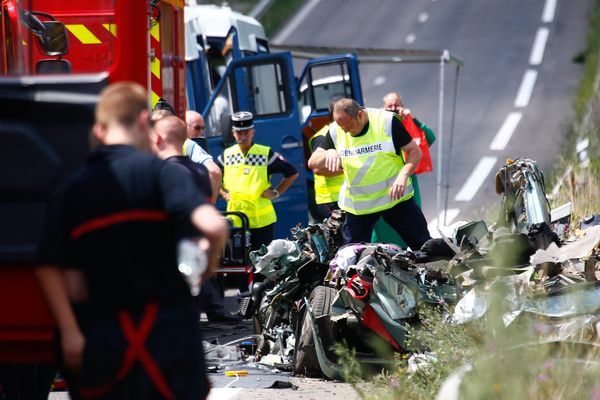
(264, 85)
(324, 79)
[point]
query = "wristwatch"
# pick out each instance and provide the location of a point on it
(277, 194)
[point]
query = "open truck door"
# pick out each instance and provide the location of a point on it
(323, 80)
(264, 85)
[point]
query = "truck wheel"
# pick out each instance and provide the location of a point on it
(305, 354)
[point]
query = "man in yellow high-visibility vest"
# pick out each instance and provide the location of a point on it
(368, 144)
(247, 169)
(327, 184)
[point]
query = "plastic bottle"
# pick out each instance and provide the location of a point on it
(192, 263)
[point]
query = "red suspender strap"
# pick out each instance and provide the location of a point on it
(117, 218)
(136, 351)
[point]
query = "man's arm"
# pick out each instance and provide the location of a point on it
(413, 155)
(325, 159)
(282, 187)
(326, 172)
(54, 287)
(212, 225)
(214, 172)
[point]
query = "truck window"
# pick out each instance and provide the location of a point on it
(323, 83)
(57, 37)
(220, 108)
(266, 90)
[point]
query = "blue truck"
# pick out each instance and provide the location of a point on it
(231, 66)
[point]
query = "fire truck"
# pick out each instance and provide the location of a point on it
(55, 57)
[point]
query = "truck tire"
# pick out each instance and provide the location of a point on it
(305, 355)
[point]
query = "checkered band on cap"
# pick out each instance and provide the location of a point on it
(242, 120)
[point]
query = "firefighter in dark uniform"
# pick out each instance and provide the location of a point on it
(109, 264)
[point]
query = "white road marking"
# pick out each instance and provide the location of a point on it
(451, 213)
(295, 22)
(423, 17)
(223, 394)
(410, 38)
(549, 9)
(379, 80)
(539, 45)
(526, 88)
(506, 130)
(476, 179)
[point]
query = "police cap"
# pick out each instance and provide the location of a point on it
(242, 121)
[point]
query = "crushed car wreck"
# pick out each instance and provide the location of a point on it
(317, 293)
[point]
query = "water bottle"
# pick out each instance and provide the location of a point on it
(192, 262)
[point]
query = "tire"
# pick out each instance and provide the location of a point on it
(258, 324)
(305, 355)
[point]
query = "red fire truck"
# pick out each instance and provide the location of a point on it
(55, 57)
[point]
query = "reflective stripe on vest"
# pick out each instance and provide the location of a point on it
(370, 166)
(245, 177)
(185, 148)
(327, 188)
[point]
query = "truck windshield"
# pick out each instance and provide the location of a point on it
(42, 37)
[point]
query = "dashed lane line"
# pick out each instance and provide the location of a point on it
(539, 46)
(549, 9)
(506, 131)
(526, 88)
(451, 214)
(476, 179)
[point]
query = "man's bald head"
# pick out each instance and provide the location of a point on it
(350, 116)
(392, 102)
(195, 124)
(172, 130)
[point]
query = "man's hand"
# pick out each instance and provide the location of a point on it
(403, 112)
(224, 194)
(270, 194)
(211, 224)
(333, 162)
(397, 189)
(72, 342)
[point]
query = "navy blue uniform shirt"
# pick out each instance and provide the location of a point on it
(117, 221)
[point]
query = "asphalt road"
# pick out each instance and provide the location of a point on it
(518, 75)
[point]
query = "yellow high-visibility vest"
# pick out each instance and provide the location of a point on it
(245, 177)
(370, 166)
(326, 187)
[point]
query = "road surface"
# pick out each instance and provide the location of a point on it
(515, 90)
